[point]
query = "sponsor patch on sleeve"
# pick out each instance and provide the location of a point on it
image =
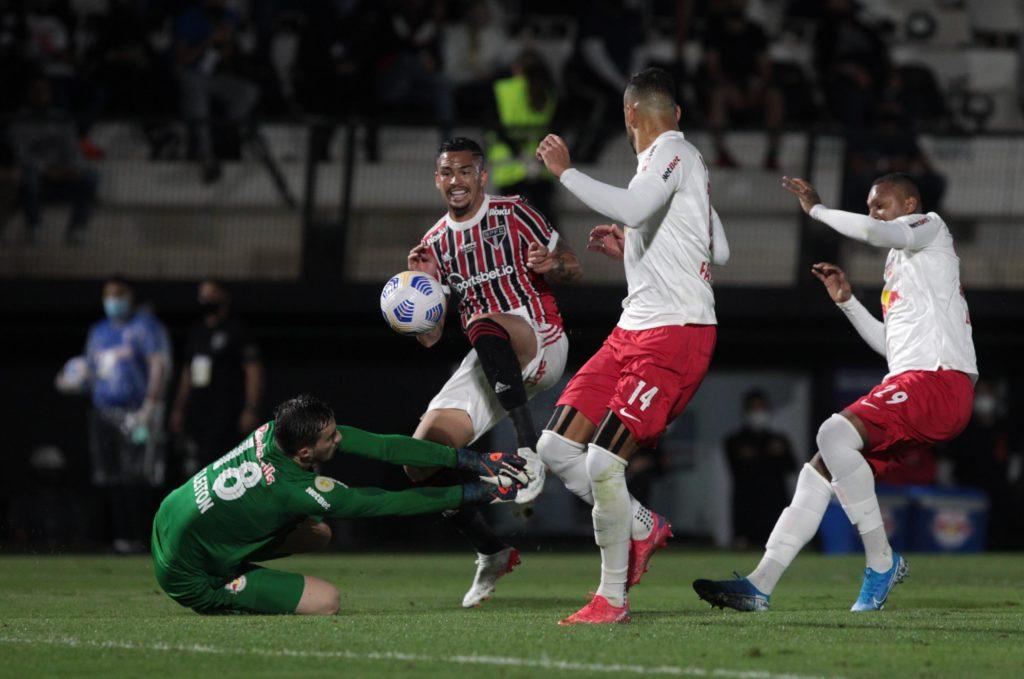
(923, 220)
(672, 164)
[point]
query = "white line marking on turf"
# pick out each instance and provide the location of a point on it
(499, 661)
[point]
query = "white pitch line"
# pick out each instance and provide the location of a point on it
(494, 661)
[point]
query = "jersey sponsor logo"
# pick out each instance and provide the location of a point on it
(499, 212)
(923, 220)
(495, 235)
(462, 284)
(201, 491)
(467, 248)
(889, 298)
(324, 484)
(668, 170)
(318, 497)
(236, 585)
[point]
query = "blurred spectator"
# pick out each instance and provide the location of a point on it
(475, 49)
(598, 71)
(409, 69)
(51, 164)
(890, 146)
(981, 458)
(127, 361)
(739, 71)
(852, 61)
(221, 387)
(125, 75)
(525, 107)
(208, 59)
(760, 460)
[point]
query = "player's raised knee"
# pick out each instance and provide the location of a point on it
(321, 536)
(319, 597)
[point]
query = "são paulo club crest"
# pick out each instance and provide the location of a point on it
(495, 235)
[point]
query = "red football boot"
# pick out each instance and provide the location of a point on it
(641, 551)
(598, 612)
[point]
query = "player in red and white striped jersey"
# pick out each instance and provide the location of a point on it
(496, 255)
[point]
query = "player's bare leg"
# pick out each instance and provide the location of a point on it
(319, 597)
(563, 447)
(453, 427)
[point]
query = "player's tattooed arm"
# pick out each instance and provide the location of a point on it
(560, 265)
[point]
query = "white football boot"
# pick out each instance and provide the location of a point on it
(489, 568)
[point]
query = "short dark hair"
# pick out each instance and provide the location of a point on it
(461, 144)
(118, 279)
(652, 83)
(902, 182)
(299, 421)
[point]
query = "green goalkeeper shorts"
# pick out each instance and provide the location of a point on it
(254, 589)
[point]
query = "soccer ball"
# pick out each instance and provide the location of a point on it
(412, 303)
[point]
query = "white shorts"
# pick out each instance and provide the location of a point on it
(468, 389)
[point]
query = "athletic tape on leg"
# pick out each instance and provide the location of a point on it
(568, 460)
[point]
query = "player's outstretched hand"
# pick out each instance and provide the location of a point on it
(506, 470)
(804, 190)
(422, 259)
(834, 280)
(608, 239)
(554, 153)
(483, 493)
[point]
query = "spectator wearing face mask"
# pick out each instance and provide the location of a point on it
(221, 386)
(760, 459)
(982, 458)
(127, 360)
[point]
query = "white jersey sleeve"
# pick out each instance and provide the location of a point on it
(719, 243)
(870, 329)
(909, 232)
(630, 206)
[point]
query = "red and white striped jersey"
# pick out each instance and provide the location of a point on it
(483, 260)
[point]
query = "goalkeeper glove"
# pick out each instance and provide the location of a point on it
(484, 493)
(501, 469)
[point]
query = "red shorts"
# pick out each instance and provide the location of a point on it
(646, 376)
(912, 410)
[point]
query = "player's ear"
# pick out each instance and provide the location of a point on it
(679, 113)
(484, 176)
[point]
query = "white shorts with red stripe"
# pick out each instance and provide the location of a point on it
(468, 389)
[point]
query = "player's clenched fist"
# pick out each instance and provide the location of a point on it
(506, 470)
(608, 239)
(422, 259)
(554, 153)
(540, 259)
(834, 279)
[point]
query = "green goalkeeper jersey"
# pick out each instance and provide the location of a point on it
(255, 494)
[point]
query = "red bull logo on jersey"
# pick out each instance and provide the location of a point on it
(889, 297)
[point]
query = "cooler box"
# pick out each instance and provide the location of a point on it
(948, 519)
(839, 536)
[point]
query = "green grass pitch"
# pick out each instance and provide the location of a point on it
(105, 616)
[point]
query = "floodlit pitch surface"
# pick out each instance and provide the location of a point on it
(93, 616)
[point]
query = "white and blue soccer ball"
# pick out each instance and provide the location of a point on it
(412, 303)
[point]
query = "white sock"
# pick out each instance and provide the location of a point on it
(643, 520)
(854, 484)
(568, 460)
(612, 520)
(796, 526)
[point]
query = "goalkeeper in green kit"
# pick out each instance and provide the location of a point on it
(263, 501)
